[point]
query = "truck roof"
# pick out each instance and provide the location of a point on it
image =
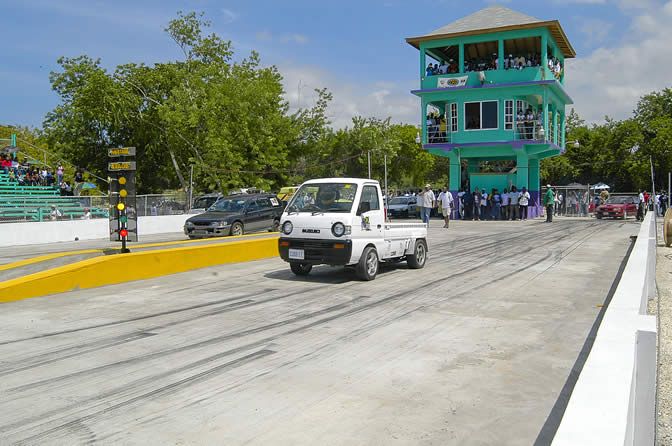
(343, 180)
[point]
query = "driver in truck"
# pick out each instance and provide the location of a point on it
(326, 198)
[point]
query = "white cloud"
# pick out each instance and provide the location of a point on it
(610, 81)
(267, 36)
(582, 2)
(596, 30)
(296, 38)
(229, 16)
(351, 98)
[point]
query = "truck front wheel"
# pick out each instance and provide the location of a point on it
(367, 268)
(419, 257)
(301, 269)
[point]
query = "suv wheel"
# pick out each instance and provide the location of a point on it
(237, 229)
(367, 267)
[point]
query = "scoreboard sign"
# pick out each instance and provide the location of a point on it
(121, 165)
(122, 151)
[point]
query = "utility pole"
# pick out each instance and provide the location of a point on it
(387, 195)
(191, 187)
(368, 155)
(655, 211)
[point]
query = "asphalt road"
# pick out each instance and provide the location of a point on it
(471, 350)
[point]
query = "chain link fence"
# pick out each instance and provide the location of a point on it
(36, 208)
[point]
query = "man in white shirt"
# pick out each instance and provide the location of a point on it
(640, 207)
(484, 204)
(505, 205)
(428, 203)
(443, 69)
(446, 200)
(513, 203)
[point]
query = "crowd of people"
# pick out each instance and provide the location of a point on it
(492, 63)
(26, 174)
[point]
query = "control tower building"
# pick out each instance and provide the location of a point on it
(494, 99)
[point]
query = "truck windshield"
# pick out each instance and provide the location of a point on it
(323, 197)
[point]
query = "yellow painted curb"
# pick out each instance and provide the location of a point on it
(57, 255)
(120, 268)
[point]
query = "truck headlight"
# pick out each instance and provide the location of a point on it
(339, 229)
(287, 227)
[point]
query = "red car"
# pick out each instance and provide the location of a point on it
(618, 207)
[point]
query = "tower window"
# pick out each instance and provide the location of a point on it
(481, 115)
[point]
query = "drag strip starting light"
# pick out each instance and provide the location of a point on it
(123, 212)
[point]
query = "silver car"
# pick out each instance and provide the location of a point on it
(402, 207)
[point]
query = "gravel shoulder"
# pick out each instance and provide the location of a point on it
(664, 298)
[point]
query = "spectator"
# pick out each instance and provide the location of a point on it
(430, 70)
(468, 203)
(428, 203)
(523, 201)
(640, 206)
(86, 215)
(55, 213)
(5, 164)
(556, 203)
(447, 204)
(460, 204)
(59, 174)
(484, 205)
(529, 124)
(496, 205)
(452, 67)
(476, 198)
(514, 203)
(548, 203)
(505, 205)
(443, 69)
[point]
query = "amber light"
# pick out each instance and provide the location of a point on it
(339, 245)
(284, 243)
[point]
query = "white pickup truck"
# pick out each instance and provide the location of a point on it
(341, 221)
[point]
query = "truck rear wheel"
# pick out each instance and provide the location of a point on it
(301, 269)
(367, 268)
(419, 257)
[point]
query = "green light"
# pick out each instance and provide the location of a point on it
(123, 219)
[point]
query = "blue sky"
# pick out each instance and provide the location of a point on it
(354, 48)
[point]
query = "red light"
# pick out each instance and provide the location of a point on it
(123, 233)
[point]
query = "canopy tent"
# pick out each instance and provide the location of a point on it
(600, 186)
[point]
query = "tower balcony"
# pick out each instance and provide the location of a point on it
(492, 77)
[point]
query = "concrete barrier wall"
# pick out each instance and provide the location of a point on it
(14, 234)
(613, 402)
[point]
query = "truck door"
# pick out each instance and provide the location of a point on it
(372, 221)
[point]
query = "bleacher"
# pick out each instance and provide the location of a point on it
(33, 203)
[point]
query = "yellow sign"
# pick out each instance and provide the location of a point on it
(121, 165)
(121, 151)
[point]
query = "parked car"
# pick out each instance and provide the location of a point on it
(202, 203)
(617, 207)
(236, 215)
(402, 207)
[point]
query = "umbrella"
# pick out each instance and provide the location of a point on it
(9, 149)
(601, 186)
(89, 186)
(36, 163)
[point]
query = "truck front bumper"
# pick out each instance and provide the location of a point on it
(316, 252)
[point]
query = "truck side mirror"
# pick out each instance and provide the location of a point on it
(364, 207)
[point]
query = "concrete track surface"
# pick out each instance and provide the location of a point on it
(471, 350)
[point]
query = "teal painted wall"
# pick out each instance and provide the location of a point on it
(489, 181)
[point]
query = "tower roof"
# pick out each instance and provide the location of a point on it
(496, 18)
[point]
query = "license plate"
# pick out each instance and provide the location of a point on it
(296, 254)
